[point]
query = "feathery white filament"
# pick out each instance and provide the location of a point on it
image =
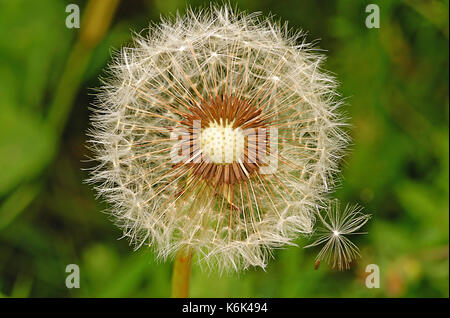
(335, 226)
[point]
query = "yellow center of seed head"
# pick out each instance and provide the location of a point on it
(222, 143)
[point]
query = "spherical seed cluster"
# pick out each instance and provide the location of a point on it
(217, 69)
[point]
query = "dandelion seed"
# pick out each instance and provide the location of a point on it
(213, 90)
(317, 264)
(338, 250)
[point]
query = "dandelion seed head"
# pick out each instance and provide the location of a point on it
(218, 131)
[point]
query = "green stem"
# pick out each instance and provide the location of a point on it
(181, 274)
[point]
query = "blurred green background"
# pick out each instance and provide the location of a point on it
(395, 79)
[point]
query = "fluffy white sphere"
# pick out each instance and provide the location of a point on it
(218, 68)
